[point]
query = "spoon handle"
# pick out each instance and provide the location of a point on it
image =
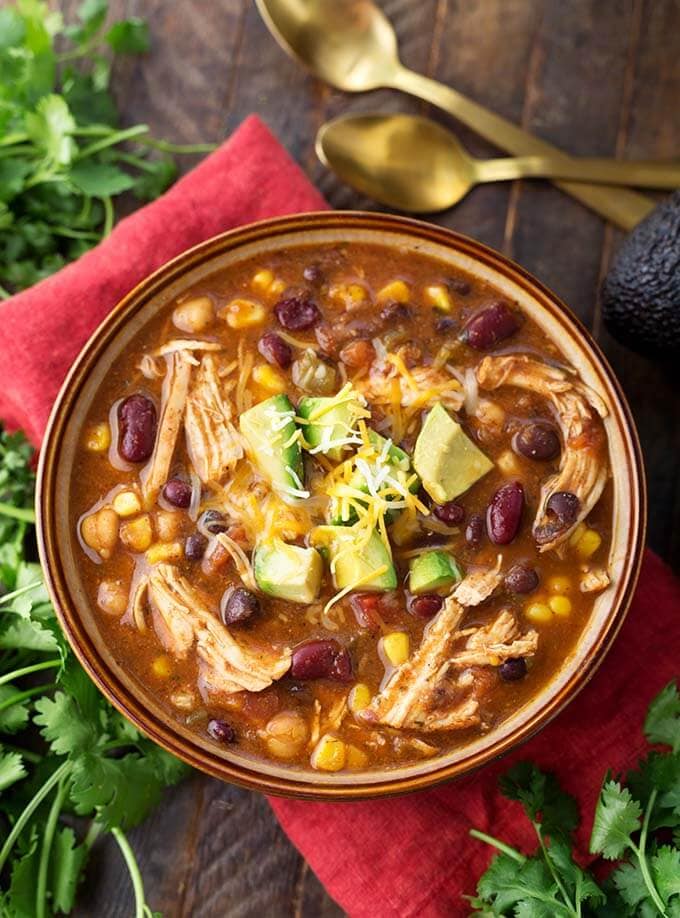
(625, 208)
(636, 173)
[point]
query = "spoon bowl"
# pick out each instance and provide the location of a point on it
(406, 162)
(350, 45)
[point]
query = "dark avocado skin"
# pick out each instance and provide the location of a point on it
(641, 292)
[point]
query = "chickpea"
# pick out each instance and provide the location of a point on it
(194, 315)
(112, 597)
(168, 525)
(286, 734)
(100, 531)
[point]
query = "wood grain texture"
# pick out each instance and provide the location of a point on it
(594, 76)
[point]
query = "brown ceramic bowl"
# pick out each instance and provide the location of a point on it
(62, 567)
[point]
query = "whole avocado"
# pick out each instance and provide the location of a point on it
(641, 292)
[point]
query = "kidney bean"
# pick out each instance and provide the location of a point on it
(537, 440)
(474, 531)
(521, 579)
(504, 513)
(275, 350)
(321, 659)
(177, 492)
(489, 326)
(136, 428)
(221, 731)
(513, 670)
(450, 513)
(297, 312)
(425, 606)
(237, 606)
(195, 546)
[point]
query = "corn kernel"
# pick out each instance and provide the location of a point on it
(577, 533)
(330, 754)
(560, 585)
(538, 612)
(269, 378)
(438, 296)
(356, 758)
(164, 551)
(561, 605)
(242, 313)
(276, 288)
(351, 295)
(161, 667)
(359, 697)
(137, 534)
(396, 648)
(588, 544)
(508, 464)
(126, 503)
(168, 524)
(396, 291)
(98, 438)
(262, 280)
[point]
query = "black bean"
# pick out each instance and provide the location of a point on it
(221, 731)
(136, 428)
(395, 312)
(513, 670)
(195, 546)
(425, 606)
(177, 492)
(489, 326)
(215, 522)
(238, 606)
(446, 326)
(458, 285)
(474, 532)
(565, 506)
(275, 350)
(537, 440)
(450, 513)
(504, 513)
(321, 659)
(297, 312)
(521, 579)
(313, 274)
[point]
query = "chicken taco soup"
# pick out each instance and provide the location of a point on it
(342, 508)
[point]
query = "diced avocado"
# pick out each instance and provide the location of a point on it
(433, 570)
(353, 563)
(269, 429)
(335, 419)
(288, 571)
(447, 461)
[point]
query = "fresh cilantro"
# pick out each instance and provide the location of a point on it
(631, 824)
(63, 157)
(63, 748)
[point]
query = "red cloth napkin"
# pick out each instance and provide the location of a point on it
(398, 857)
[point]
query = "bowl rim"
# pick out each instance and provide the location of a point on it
(245, 774)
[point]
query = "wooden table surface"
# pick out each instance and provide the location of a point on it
(595, 77)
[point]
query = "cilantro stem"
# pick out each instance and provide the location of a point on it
(74, 233)
(27, 693)
(112, 139)
(48, 838)
(26, 514)
(642, 856)
(92, 834)
(141, 908)
(27, 754)
(501, 846)
(30, 808)
(4, 294)
(27, 670)
(108, 215)
(182, 148)
(553, 872)
(8, 597)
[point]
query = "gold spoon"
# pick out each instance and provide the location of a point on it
(352, 45)
(415, 164)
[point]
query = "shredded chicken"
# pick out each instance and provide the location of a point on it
(436, 689)
(213, 444)
(182, 618)
(173, 401)
(592, 581)
(583, 467)
(421, 386)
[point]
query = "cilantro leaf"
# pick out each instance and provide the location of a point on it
(541, 796)
(617, 817)
(662, 724)
(50, 128)
(129, 36)
(25, 634)
(666, 871)
(19, 900)
(13, 717)
(66, 863)
(11, 769)
(100, 179)
(64, 726)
